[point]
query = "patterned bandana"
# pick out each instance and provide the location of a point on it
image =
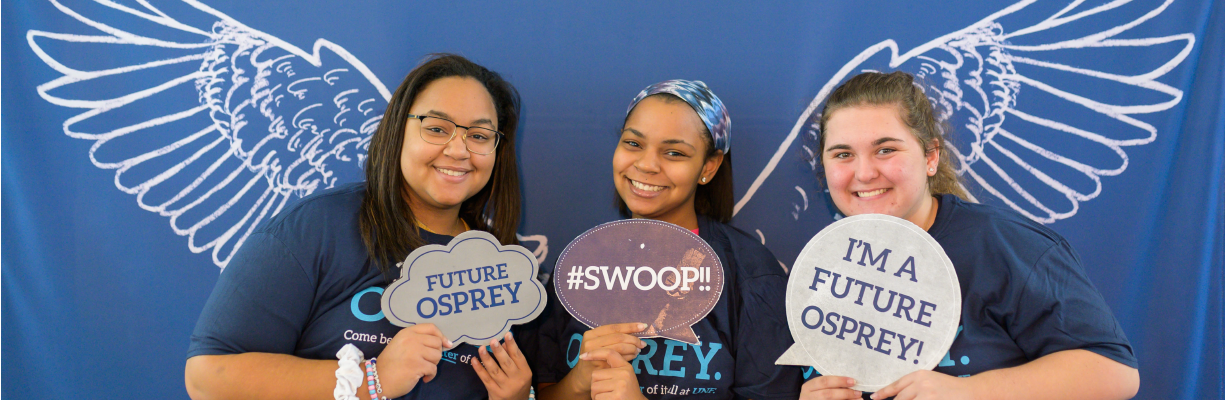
(704, 102)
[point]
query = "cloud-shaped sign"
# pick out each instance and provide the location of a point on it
(640, 270)
(474, 288)
(872, 297)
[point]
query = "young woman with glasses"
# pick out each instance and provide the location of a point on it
(672, 164)
(1032, 324)
(307, 284)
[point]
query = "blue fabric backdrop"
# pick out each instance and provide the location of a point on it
(134, 161)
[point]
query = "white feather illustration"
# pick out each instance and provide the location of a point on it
(990, 76)
(209, 122)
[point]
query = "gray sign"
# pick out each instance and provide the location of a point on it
(872, 297)
(473, 288)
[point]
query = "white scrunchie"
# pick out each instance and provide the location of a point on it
(349, 374)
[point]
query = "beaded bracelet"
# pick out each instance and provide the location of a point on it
(378, 385)
(372, 384)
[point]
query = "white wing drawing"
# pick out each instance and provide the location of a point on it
(990, 76)
(209, 122)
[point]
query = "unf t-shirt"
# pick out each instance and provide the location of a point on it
(1024, 292)
(303, 285)
(739, 340)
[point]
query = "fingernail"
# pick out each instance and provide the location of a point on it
(448, 343)
(509, 336)
(642, 344)
(859, 394)
(642, 326)
(494, 344)
(583, 356)
(850, 381)
(875, 396)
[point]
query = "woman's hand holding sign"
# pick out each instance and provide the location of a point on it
(927, 385)
(508, 378)
(617, 381)
(607, 351)
(921, 384)
(830, 388)
(411, 355)
(615, 337)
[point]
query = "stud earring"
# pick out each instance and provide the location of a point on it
(703, 180)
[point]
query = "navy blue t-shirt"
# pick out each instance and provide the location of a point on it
(1024, 292)
(740, 339)
(303, 284)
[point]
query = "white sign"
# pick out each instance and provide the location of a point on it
(872, 297)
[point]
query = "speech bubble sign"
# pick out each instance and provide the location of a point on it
(474, 288)
(872, 297)
(640, 270)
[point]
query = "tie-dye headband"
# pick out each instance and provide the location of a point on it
(704, 102)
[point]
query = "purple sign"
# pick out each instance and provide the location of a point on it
(640, 270)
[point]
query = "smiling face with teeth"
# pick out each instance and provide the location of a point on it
(441, 177)
(875, 164)
(660, 159)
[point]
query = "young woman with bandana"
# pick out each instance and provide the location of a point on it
(296, 312)
(1033, 325)
(672, 163)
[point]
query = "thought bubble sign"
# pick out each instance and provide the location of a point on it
(872, 297)
(474, 288)
(640, 270)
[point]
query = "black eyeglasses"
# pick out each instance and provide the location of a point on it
(440, 131)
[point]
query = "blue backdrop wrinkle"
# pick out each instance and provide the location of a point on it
(1104, 120)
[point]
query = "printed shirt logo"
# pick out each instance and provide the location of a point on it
(355, 306)
(670, 367)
